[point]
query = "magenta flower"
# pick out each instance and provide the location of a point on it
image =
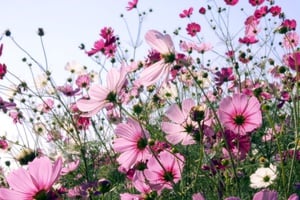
(132, 143)
(193, 28)
(102, 96)
(231, 2)
(224, 75)
(33, 183)
(163, 174)
(132, 4)
(161, 69)
(186, 13)
(293, 61)
(240, 113)
(3, 70)
(180, 127)
(256, 2)
(275, 10)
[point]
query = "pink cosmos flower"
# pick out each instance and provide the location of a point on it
(186, 13)
(231, 2)
(275, 10)
(34, 182)
(132, 4)
(3, 70)
(132, 143)
(225, 75)
(83, 81)
(106, 44)
(266, 195)
(198, 196)
(202, 10)
(261, 12)
(3, 144)
(46, 106)
(164, 173)
(72, 166)
(256, 2)
(180, 127)
(293, 60)
(102, 96)
(240, 113)
(164, 45)
(193, 28)
(291, 40)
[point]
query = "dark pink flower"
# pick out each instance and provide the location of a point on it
(3, 70)
(106, 44)
(202, 10)
(231, 2)
(256, 2)
(186, 13)
(261, 12)
(225, 75)
(193, 28)
(248, 40)
(275, 10)
(3, 144)
(238, 145)
(132, 4)
(240, 113)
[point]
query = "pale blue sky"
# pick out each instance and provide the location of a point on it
(68, 23)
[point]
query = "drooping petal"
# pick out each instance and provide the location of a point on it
(153, 73)
(160, 42)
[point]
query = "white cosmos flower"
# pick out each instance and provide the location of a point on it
(263, 177)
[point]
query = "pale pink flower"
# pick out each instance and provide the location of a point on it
(131, 143)
(266, 195)
(101, 96)
(164, 170)
(128, 196)
(240, 113)
(180, 127)
(46, 106)
(72, 166)
(35, 181)
(161, 69)
(198, 196)
(291, 40)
